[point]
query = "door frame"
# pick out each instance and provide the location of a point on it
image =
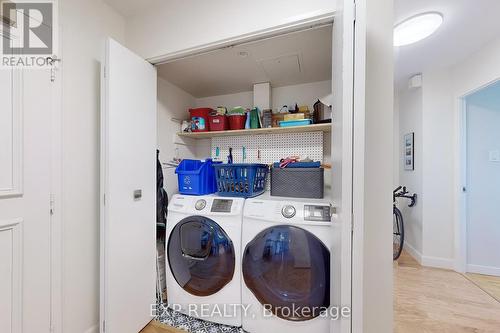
(324, 17)
(461, 198)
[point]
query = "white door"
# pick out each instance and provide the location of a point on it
(128, 186)
(483, 181)
(25, 187)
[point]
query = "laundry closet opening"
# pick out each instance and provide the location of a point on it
(279, 74)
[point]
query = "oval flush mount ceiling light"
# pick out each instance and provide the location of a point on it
(416, 28)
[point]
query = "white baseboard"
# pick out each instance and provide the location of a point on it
(93, 329)
(485, 270)
(413, 252)
(436, 262)
(427, 261)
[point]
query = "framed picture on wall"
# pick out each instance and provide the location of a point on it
(409, 151)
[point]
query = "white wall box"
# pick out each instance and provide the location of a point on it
(302, 59)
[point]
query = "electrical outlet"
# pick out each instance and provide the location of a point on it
(494, 156)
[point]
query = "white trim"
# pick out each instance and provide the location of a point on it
(56, 194)
(358, 195)
(485, 270)
(413, 252)
(318, 18)
(436, 262)
(16, 225)
(342, 151)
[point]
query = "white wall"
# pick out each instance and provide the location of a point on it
(378, 163)
(397, 142)
(483, 180)
(173, 102)
(182, 24)
(438, 178)
(302, 94)
(410, 120)
(84, 25)
(244, 99)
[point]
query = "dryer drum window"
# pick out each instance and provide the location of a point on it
(288, 270)
(201, 256)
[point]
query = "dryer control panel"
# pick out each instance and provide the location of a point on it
(222, 206)
(317, 213)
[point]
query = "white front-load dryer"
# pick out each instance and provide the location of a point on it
(286, 265)
(203, 257)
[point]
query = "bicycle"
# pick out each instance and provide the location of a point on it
(398, 229)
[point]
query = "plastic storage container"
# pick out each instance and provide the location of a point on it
(237, 122)
(196, 177)
(199, 119)
(297, 182)
(291, 123)
(241, 180)
(218, 123)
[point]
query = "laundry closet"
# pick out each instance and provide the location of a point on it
(300, 68)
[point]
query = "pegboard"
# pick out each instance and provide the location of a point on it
(272, 147)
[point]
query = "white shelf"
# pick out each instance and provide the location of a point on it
(274, 130)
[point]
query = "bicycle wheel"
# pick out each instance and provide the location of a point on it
(398, 233)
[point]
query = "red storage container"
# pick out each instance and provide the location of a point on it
(199, 119)
(218, 123)
(237, 122)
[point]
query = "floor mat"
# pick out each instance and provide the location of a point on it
(193, 325)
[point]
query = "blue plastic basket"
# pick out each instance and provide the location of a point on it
(241, 180)
(196, 177)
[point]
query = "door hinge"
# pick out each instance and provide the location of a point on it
(354, 12)
(104, 199)
(104, 326)
(104, 71)
(52, 204)
(52, 61)
(464, 189)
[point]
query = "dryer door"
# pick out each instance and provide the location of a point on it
(201, 256)
(288, 270)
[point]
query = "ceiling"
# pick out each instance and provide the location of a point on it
(468, 25)
(131, 7)
(295, 58)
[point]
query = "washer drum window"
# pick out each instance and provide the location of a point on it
(201, 256)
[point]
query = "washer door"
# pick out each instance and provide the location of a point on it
(288, 270)
(200, 256)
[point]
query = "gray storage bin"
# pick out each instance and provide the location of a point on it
(297, 182)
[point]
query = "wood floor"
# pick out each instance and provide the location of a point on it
(156, 327)
(429, 300)
(434, 300)
(490, 284)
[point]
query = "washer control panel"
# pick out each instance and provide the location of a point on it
(317, 213)
(222, 206)
(288, 211)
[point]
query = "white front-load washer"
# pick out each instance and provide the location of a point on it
(204, 256)
(286, 265)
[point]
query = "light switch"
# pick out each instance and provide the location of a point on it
(494, 156)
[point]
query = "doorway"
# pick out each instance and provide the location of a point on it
(482, 175)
